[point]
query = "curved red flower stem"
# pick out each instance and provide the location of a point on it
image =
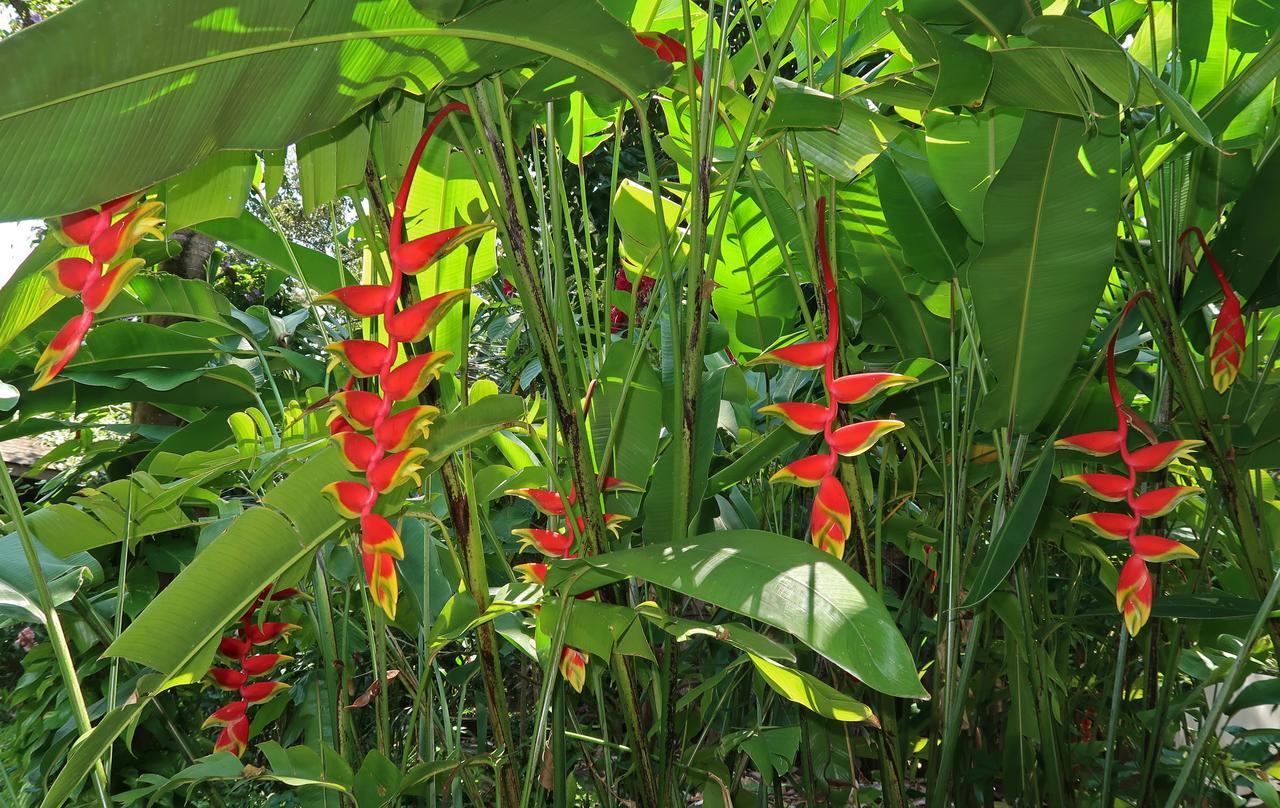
(397, 281)
(1122, 419)
(1208, 254)
(833, 322)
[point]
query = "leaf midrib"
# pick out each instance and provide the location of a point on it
(1034, 246)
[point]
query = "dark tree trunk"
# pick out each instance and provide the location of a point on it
(190, 264)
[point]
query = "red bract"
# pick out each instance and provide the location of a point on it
(1134, 588)
(669, 50)
(559, 544)
(98, 279)
(375, 432)
(238, 647)
(1226, 342)
(832, 518)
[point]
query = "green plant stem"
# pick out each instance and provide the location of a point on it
(1208, 727)
(1113, 717)
(53, 624)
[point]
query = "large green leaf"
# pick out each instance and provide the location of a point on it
(175, 633)
(1050, 242)
(754, 299)
(26, 294)
(1217, 42)
(65, 576)
(788, 584)
(94, 122)
(870, 251)
(444, 195)
(964, 151)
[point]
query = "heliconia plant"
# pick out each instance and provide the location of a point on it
(242, 647)
(1134, 589)
(561, 544)
(832, 517)
(376, 431)
(1227, 340)
(110, 234)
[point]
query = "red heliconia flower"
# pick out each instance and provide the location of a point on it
(100, 291)
(1160, 455)
(239, 648)
(82, 227)
(1158, 548)
(547, 542)
(360, 300)
(98, 279)
(267, 632)
(1163, 500)
(1097, 444)
(226, 715)
(377, 535)
(832, 518)
(364, 358)
(414, 256)
(394, 470)
(360, 408)
(262, 664)
(804, 355)
(259, 692)
(398, 431)
(384, 587)
(1227, 340)
(533, 573)
(807, 471)
(62, 348)
(1108, 525)
(228, 679)
(414, 323)
(800, 416)
(857, 438)
(669, 50)
(573, 667)
(411, 377)
(548, 502)
(357, 449)
(233, 738)
(1134, 590)
(113, 243)
(1106, 487)
(1133, 594)
(859, 388)
(70, 276)
(233, 648)
(350, 499)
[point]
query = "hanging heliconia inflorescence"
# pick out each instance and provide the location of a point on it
(240, 647)
(831, 520)
(1226, 341)
(375, 433)
(1134, 589)
(561, 544)
(109, 233)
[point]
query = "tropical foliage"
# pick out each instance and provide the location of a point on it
(416, 382)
